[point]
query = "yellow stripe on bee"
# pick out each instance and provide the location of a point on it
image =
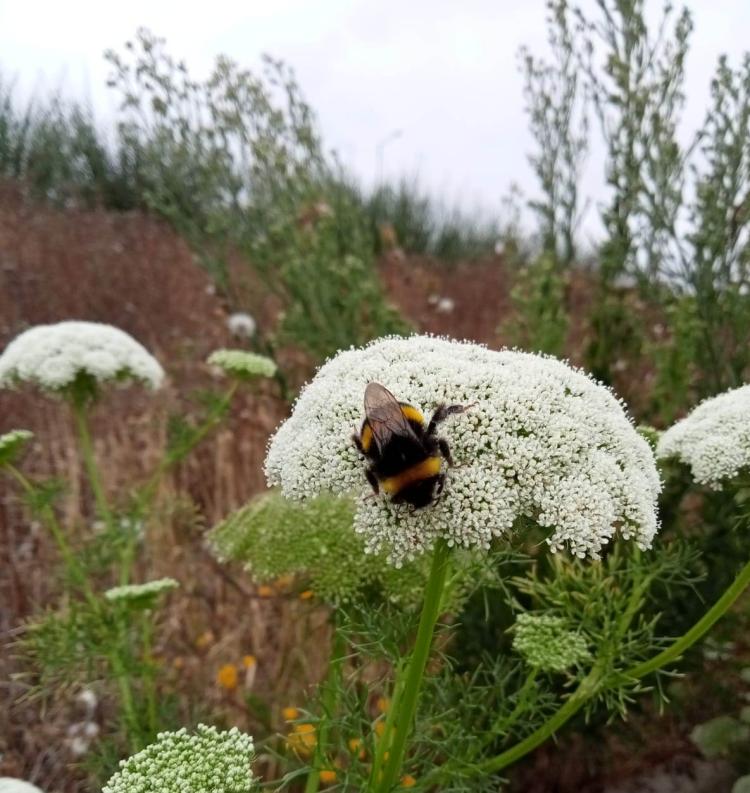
(412, 414)
(366, 437)
(424, 470)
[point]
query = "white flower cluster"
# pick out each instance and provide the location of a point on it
(545, 643)
(11, 443)
(244, 365)
(11, 785)
(207, 762)
(542, 440)
(714, 440)
(53, 356)
(242, 325)
(143, 595)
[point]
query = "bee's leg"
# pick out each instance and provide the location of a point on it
(445, 450)
(373, 480)
(441, 414)
(440, 485)
(357, 442)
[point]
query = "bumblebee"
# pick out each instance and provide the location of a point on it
(405, 451)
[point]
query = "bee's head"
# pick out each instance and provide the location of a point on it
(420, 494)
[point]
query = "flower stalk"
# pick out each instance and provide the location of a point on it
(399, 727)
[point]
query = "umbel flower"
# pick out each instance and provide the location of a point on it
(546, 643)
(314, 542)
(140, 595)
(714, 439)
(182, 763)
(55, 357)
(542, 441)
(243, 365)
(11, 785)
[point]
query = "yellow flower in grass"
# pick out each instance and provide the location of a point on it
(408, 781)
(355, 747)
(327, 776)
(308, 594)
(290, 714)
(227, 677)
(265, 591)
(249, 661)
(383, 704)
(302, 738)
(379, 728)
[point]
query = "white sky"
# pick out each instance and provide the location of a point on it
(442, 72)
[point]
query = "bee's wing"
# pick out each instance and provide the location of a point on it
(384, 415)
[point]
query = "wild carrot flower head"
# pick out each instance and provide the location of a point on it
(54, 357)
(243, 365)
(11, 444)
(140, 596)
(547, 644)
(543, 441)
(182, 763)
(713, 440)
(11, 785)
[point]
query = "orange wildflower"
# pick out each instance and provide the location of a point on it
(227, 677)
(327, 776)
(249, 660)
(302, 738)
(290, 714)
(265, 591)
(355, 746)
(383, 704)
(408, 781)
(307, 594)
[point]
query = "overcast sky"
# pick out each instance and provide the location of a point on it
(442, 73)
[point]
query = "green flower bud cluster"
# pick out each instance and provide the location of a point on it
(179, 762)
(315, 540)
(546, 643)
(243, 365)
(140, 595)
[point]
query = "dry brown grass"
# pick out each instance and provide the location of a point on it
(134, 272)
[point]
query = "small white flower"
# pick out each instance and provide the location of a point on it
(142, 595)
(207, 762)
(543, 441)
(52, 357)
(445, 305)
(10, 785)
(244, 365)
(714, 439)
(242, 325)
(88, 700)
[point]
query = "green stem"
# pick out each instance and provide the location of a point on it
(404, 710)
(119, 671)
(383, 743)
(704, 624)
(72, 565)
(89, 461)
(147, 633)
(329, 702)
(570, 707)
(589, 685)
(76, 571)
